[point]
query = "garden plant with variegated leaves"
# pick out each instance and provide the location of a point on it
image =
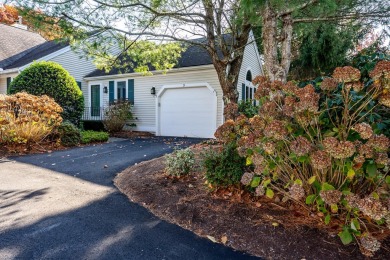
(322, 148)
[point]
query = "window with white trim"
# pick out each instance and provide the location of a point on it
(248, 90)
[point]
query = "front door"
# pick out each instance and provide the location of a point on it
(95, 100)
(121, 90)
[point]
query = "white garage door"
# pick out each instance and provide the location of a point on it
(188, 112)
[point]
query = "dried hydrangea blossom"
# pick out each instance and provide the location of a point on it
(269, 147)
(259, 169)
(258, 159)
(300, 146)
(382, 158)
(352, 200)
(230, 111)
(329, 84)
(225, 133)
(346, 74)
(246, 178)
(359, 159)
(372, 208)
(296, 192)
(369, 245)
(384, 99)
(308, 99)
(276, 85)
(357, 86)
(260, 191)
(290, 87)
(382, 68)
(276, 96)
(366, 150)
(379, 142)
(320, 160)
(257, 123)
(303, 119)
(276, 130)
(289, 106)
(364, 130)
(263, 86)
(269, 110)
(331, 197)
(242, 151)
(339, 150)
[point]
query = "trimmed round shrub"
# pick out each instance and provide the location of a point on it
(180, 162)
(49, 78)
(69, 134)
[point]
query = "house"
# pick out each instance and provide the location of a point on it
(187, 101)
(15, 42)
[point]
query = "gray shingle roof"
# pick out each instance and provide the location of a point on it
(15, 43)
(37, 52)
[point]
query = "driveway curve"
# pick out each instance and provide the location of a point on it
(63, 205)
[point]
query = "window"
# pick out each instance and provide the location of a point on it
(248, 90)
(121, 90)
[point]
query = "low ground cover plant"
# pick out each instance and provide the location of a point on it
(322, 147)
(91, 136)
(117, 115)
(27, 119)
(180, 162)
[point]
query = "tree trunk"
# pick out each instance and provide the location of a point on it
(277, 68)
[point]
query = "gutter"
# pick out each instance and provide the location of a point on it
(155, 72)
(9, 71)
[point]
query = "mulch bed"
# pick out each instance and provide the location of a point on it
(131, 134)
(260, 227)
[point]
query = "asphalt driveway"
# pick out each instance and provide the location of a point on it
(63, 205)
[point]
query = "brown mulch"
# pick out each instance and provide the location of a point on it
(260, 227)
(22, 149)
(131, 134)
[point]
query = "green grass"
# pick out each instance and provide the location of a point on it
(93, 137)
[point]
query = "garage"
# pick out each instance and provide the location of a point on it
(188, 110)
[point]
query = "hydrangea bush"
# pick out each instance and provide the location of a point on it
(27, 119)
(315, 147)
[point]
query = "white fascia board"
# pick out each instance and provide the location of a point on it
(9, 71)
(257, 51)
(156, 72)
(49, 56)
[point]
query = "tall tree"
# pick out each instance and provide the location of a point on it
(35, 20)
(185, 20)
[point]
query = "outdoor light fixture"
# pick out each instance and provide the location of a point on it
(105, 90)
(153, 91)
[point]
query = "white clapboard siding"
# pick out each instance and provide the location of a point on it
(3, 82)
(251, 61)
(145, 103)
(77, 66)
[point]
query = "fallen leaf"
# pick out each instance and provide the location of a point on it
(224, 239)
(275, 224)
(212, 238)
(258, 204)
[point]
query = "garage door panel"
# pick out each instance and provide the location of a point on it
(187, 112)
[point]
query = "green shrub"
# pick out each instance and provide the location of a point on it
(248, 108)
(93, 136)
(223, 168)
(49, 78)
(180, 162)
(69, 134)
(116, 116)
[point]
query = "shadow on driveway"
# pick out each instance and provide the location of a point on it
(111, 228)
